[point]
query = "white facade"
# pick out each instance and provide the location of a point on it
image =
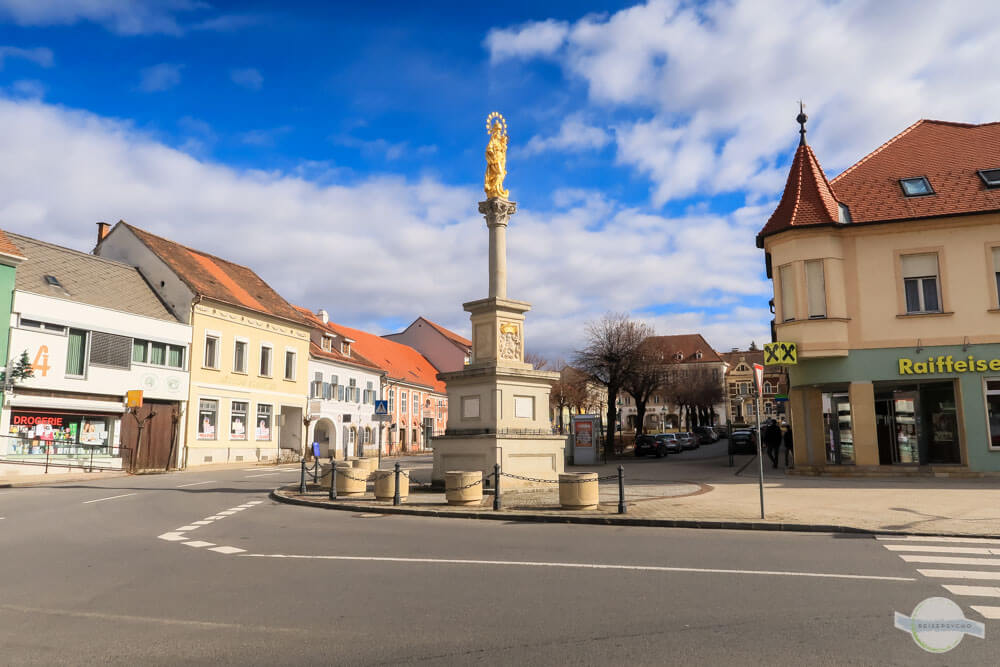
(446, 354)
(81, 399)
(341, 404)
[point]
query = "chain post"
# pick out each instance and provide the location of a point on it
(621, 489)
(496, 487)
(333, 479)
(302, 477)
(395, 494)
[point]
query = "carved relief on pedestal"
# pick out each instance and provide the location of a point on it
(510, 341)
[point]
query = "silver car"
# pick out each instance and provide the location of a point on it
(688, 440)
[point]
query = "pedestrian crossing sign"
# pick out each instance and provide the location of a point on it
(781, 354)
(381, 407)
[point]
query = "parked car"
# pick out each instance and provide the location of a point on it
(670, 441)
(648, 444)
(706, 434)
(688, 440)
(742, 441)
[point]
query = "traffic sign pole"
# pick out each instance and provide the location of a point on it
(758, 373)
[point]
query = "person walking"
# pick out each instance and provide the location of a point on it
(788, 447)
(772, 440)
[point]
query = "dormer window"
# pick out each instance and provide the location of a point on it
(52, 281)
(916, 187)
(991, 177)
(678, 356)
(327, 343)
(697, 355)
(844, 214)
(345, 348)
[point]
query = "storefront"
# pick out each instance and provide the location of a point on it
(901, 407)
(42, 432)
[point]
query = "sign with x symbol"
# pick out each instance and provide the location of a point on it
(781, 354)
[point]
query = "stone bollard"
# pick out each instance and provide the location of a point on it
(385, 485)
(324, 476)
(454, 480)
(352, 485)
(578, 495)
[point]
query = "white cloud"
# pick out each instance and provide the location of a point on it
(709, 90)
(264, 137)
(160, 77)
(28, 88)
(40, 55)
(126, 17)
(538, 38)
(249, 78)
(574, 135)
(379, 248)
(387, 150)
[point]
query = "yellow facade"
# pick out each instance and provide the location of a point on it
(241, 396)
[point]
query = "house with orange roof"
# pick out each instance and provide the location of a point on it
(249, 350)
(887, 279)
(447, 350)
(343, 388)
(418, 401)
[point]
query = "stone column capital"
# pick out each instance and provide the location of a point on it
(497, 211)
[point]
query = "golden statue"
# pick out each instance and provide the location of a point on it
(496, 156)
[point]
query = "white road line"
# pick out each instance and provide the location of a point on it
(950, 560)
(916, 538)
(587, 566)
(214, 517)
(227, 550)
(186, 528)
(197, 544)
(266, 474)
(948, 550)
(202, 523)
(981, 591)
(987, 612)
(226, 513)
(124, 495)
(255, 502)
(173, 537)
(960, 574)
(181, 486)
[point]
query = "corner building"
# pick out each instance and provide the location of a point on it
(887, 279)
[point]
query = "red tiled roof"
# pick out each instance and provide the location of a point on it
(7, 247)
(402, 362)
(807, 199)
(687, 345)
(334, 354)
(450, 335)
(217, 279)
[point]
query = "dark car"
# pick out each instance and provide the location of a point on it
(742, 441)
(657, 445)
(706, 434)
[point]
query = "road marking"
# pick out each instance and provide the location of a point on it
(202, 523)
(186, 528)
(950, 560)
(987, 612)
(915, 538)
(209, 625)
(214, 517)
(124, 495)
(197, 544)
(948, 550)
(226, 513)
(255, 502)
(588, 566)
(181, 486)
(266, 474)
(227, 550)
(960, 574)
(981, 591)
(172, 537)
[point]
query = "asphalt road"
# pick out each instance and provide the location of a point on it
(119, 572)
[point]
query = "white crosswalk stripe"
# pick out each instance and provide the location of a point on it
(973, 560)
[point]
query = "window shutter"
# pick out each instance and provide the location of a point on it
(816, 284)
(919, 266)
(326, 390)
(340, 393)
(317, 376)
(786, 276)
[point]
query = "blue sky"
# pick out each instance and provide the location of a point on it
(343, 142)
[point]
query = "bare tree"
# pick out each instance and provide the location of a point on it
(645, 379)
(610, 355)
(569, 391)
(537, 361)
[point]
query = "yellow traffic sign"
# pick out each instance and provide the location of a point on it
(781, 354)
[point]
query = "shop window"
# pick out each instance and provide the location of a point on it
(211, 351)
(238, 420)
(265, 361)
(110, 350)
(263, 431)
(289, 365)
(76, 352)
(240, 356)
(920, 283)
(786, 283)
(993, 411)
(816, 288)
(208, 419)
(838, 431)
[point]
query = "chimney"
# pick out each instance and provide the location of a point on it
(102, 230)
(323, 316)
(736, 349)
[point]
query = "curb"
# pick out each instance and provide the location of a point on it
(615, 520)
(56, 480)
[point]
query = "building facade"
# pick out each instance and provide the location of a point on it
(249, 351)
(445, 349)
(741, 401)
(887, 280)
(10, 257)
(94, 330)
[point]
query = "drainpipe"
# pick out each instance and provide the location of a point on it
(187, 413)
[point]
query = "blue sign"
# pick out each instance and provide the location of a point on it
(316, 449)
(381, 407)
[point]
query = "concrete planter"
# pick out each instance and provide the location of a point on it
(353, 485)
(385, 485)
(578, 491)
(367, 464)
(454, 480)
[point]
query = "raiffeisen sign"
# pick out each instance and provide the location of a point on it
(947, 365)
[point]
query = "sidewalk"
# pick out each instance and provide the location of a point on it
(705, 491)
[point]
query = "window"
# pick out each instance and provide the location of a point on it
(211, 351)
(110, 350)
(920, 283)
(208, 418)
(158, 354)
(843, 214)
(768, 388)
(991, 177)
(402, 402)
(327, 343)
(416, 403)
(265, 361)
(238, 420)
(52, 281)
(345, 348)
(263, 431)
(45, 326)
(289, 365)
(743, 388)
(76, 353)
(816, 288)
(316, 386)
(996, 270)
(916, 187)
(392, 401)
(993, 411)
(140, 351)
(240, 356)
(786, 278)
(175, 356)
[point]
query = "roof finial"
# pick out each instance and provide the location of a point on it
(801, 120)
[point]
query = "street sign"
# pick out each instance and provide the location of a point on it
(381, 407)
(133, 398)
(381, 418)
(758, 378)
(781, 354)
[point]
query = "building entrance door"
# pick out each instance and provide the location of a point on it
(885, 432)
(906, 443)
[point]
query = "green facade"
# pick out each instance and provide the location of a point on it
(883, 365)
(7, 274)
